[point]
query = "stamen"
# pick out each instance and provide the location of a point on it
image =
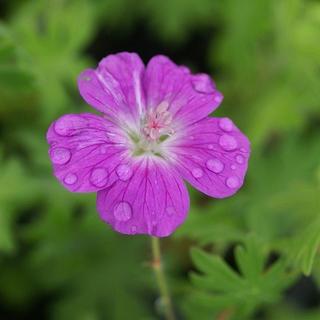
(157, 122)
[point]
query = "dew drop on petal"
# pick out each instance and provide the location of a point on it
(70, 178)
(60, 127)
(122, 211)
(226, 124)
(202, 84)
(68, 124)
(103, 149)
(210, 146)
(99, 177)
(184, 69)
(228, 142)
(233, 167)
(240, 159)
(124, 172)
(218, 97)
(232, 182)
(60, 155)
(133, 229)
(197, 172)
(243, 150)
(215, 165)
(170, 211)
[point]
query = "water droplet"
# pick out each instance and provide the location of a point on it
(133, 229)
(170, 211)
(232, 182)
(228, 142)
(240, 159)
(86, 78)
(124, 172)
(218, 97)
(210, 146)
(70, 178)
(202, 83)
(60, 155)
(99, 177)
(243, 150)
(67, 125)
(226, 124)
(122, 211)
(233, 167)
(197, 172)
(184, 69)
(215, 165)
(103, 149)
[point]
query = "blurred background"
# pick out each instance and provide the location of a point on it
(260, 248)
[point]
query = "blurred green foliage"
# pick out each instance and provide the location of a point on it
(59, 261)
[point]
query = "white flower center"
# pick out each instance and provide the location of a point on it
(155, 128)
(157, 122)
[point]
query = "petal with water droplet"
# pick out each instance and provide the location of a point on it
(226, 124)
(60, 155)
(218, 162)
(80, 146)
(197, 172)
(155, 196)
(191, 97)
(124, 172)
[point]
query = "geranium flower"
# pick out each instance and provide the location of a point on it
(153, 133)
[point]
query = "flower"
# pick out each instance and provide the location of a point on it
(154, 132)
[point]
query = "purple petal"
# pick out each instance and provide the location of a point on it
(213, 156)
(85, 151)
(190, 97)
(155, 201)
(115, 87)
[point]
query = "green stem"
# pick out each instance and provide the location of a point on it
(161, 279)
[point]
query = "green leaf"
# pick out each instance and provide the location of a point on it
(214, 266)
(243, 293)
(305, 247)
(6, 234)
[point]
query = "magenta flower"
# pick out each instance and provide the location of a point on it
(154, 132)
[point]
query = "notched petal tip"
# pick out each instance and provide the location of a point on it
(115, 86)
(191, 96)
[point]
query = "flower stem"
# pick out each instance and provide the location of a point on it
(161, 279)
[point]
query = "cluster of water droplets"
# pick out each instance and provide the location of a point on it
(98, 176)
(122, 212)
(228, 143)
